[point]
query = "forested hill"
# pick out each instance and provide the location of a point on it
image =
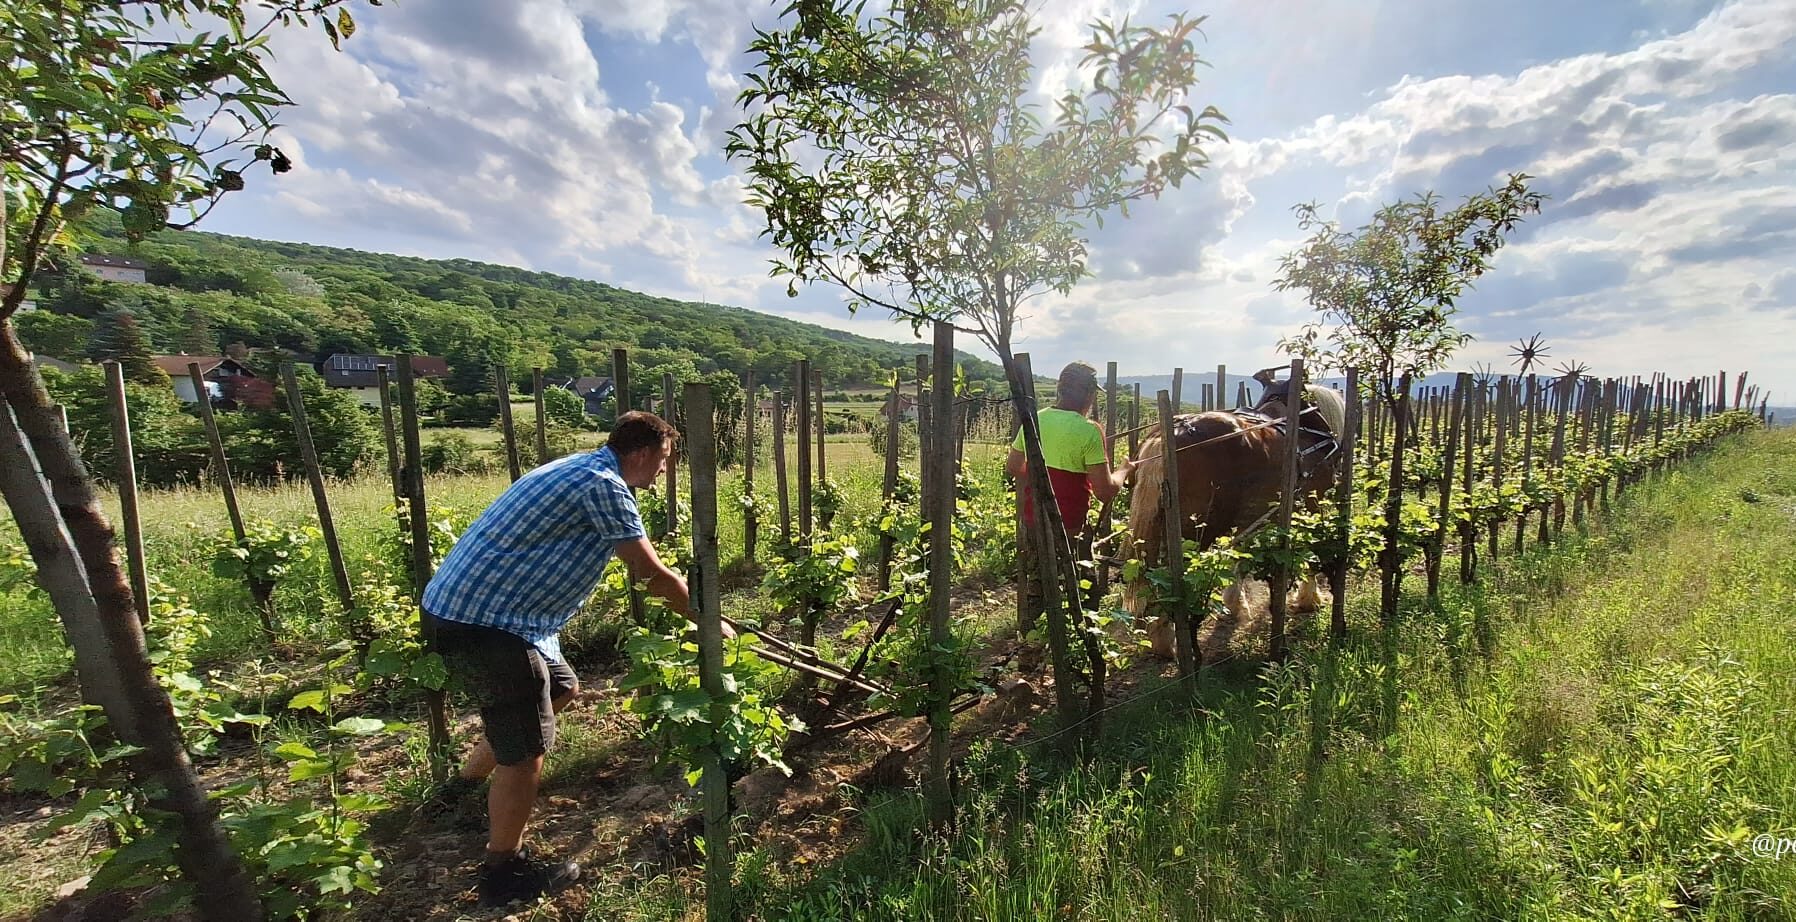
(209, 291)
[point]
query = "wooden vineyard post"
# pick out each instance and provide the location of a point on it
(1474, 410)
(803, 373)
(1135, 423)
(1443, 515)
(1049, 548)
(1184, 632)
(620, 380)
(1222, 388)
(1740, 389)
(1101, 578)
(940, 514)
(620, 388)
(923, 420)
(750, 525)
(1530, 405)
(542, 417)
(308, 453)
(1587, 401)
(1281, 579)
(502, 386)
(1178, 387)
(1390, 559)
(1562, 404)
(1337, 575)
(779, 469)
(889, 484)
(126, 472)
(1241, 394)
(384, 380)
(822, 424)
(418, 518)
(220, 464)
(1206, 398)
(1658, 414)
(1499, 447)
(707, 612)
(670, 412)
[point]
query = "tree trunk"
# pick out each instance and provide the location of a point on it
(101, 622)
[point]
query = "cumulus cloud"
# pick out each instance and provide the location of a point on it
(533, 132)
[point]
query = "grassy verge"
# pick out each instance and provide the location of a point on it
(1598, 732)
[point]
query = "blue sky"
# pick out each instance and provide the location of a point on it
(584, 137)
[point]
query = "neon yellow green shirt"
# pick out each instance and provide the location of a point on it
(1069, 441)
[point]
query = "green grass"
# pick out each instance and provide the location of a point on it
(1596, 733)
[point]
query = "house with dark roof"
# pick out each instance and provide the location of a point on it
(596, 391)
(115, 268)
(360, 374)
(224, 377)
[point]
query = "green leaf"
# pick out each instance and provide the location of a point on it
(291, 751)
(307, 701)
(360, 726)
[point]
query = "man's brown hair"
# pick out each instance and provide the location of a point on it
(637, 430)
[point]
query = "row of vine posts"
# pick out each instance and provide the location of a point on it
(1465, 438)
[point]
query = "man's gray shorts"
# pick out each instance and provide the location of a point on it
(510, 681)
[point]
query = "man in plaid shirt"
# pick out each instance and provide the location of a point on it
(499, 601)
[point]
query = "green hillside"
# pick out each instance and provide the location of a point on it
(210, 291)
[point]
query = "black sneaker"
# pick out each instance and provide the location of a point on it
(524, 876)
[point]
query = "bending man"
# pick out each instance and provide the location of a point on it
(500, 599)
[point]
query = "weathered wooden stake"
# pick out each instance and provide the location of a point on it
(422, 565)
(1474, 430)
(822, 424)
(806, 523)
(750, 524)
(384, 379)
(707, 611)
(1184, 638)
(126, 474)
(221, 466)
(779, 468)
(670, 412)
(620, 388)
(889, 483)
(1281, 580)
(1337, 576)
(308, 453)
(542, 417)
(502, 387)
(940, 513)
(1135, 423)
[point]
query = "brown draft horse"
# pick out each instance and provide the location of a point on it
(1230, 470)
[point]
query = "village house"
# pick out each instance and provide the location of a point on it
(224, 377)
(360, 375)
(596, 391)
(907, 407)
(116, 268)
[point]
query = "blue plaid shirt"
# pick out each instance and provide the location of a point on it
(535, 555)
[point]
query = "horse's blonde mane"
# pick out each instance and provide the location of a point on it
(1331, 405)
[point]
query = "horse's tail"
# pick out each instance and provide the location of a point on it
(1145, 528)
